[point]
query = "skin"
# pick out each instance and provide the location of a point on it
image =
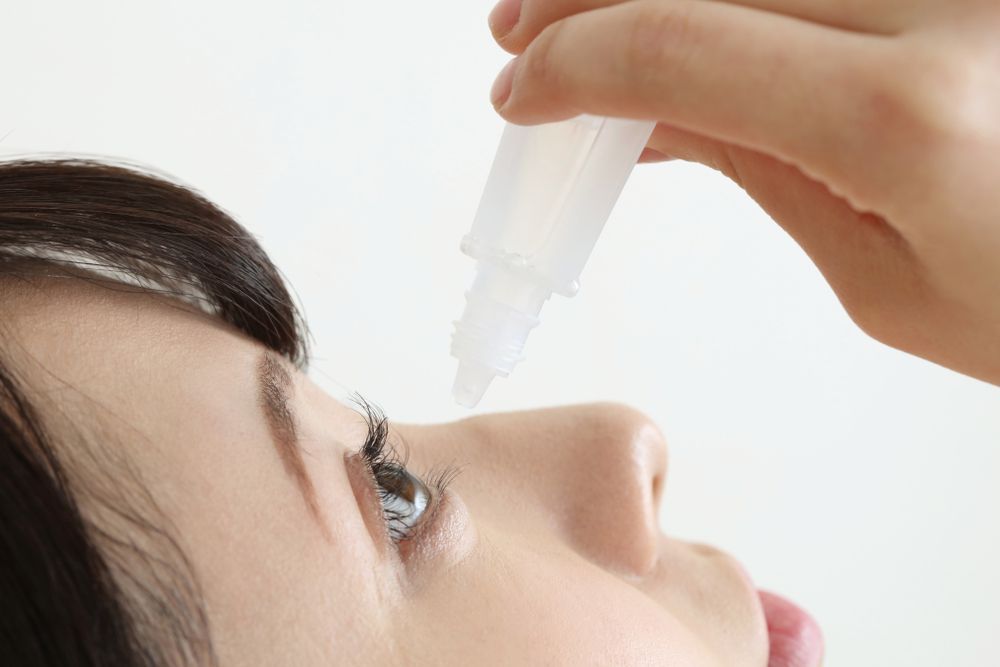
(868, 129)
(544, 550)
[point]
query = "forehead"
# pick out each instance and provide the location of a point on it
(114, 361)
(75, 324)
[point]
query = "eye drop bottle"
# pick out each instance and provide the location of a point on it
(547, 198)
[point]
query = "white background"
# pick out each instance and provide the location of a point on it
(355, 137)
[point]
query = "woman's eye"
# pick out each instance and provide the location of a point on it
(404, 498)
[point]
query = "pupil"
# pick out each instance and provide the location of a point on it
(399, 482)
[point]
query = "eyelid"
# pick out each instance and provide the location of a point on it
(369, 506)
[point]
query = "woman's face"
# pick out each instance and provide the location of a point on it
(543, 550)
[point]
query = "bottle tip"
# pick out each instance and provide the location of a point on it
(471, 383)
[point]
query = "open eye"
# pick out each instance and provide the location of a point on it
(404, 498)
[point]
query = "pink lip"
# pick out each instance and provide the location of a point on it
(796, 640)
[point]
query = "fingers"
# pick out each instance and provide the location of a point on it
(884, 284)
(766, 82)
(515, 23)
(884, 17)
(866, 262)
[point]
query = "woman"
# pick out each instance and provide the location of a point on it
(177, 491)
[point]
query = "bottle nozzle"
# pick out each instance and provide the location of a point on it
(548, 195)
(471, 382)
(501, 308)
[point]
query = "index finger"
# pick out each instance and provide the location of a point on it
(792, 89)
(515, 23)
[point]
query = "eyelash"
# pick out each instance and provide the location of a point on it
(384, 460)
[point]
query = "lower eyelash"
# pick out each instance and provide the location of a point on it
(439, 478)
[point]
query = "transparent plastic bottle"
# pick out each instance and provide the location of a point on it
(547, 198)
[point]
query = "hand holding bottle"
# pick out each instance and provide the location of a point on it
(868, 129)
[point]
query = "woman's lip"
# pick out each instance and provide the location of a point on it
(795, 637)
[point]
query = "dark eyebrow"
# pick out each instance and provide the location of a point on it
(273, 388)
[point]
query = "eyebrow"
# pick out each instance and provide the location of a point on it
(274, 384)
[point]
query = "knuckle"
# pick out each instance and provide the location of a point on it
(659, 37)
(920, 97)
(866, 316)
(885, 297)
(542, 56)
(889, 327)
(872, 319)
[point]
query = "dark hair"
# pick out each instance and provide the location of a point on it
(73, 590)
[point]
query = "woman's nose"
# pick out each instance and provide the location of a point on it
(595, 471)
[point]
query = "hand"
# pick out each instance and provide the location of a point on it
(868, 129)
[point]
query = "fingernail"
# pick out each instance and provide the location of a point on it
(502, 86)
(504, 17)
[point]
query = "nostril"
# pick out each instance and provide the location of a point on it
(657, 493)
(653, 448)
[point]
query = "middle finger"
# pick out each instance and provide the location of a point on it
(515, 23)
